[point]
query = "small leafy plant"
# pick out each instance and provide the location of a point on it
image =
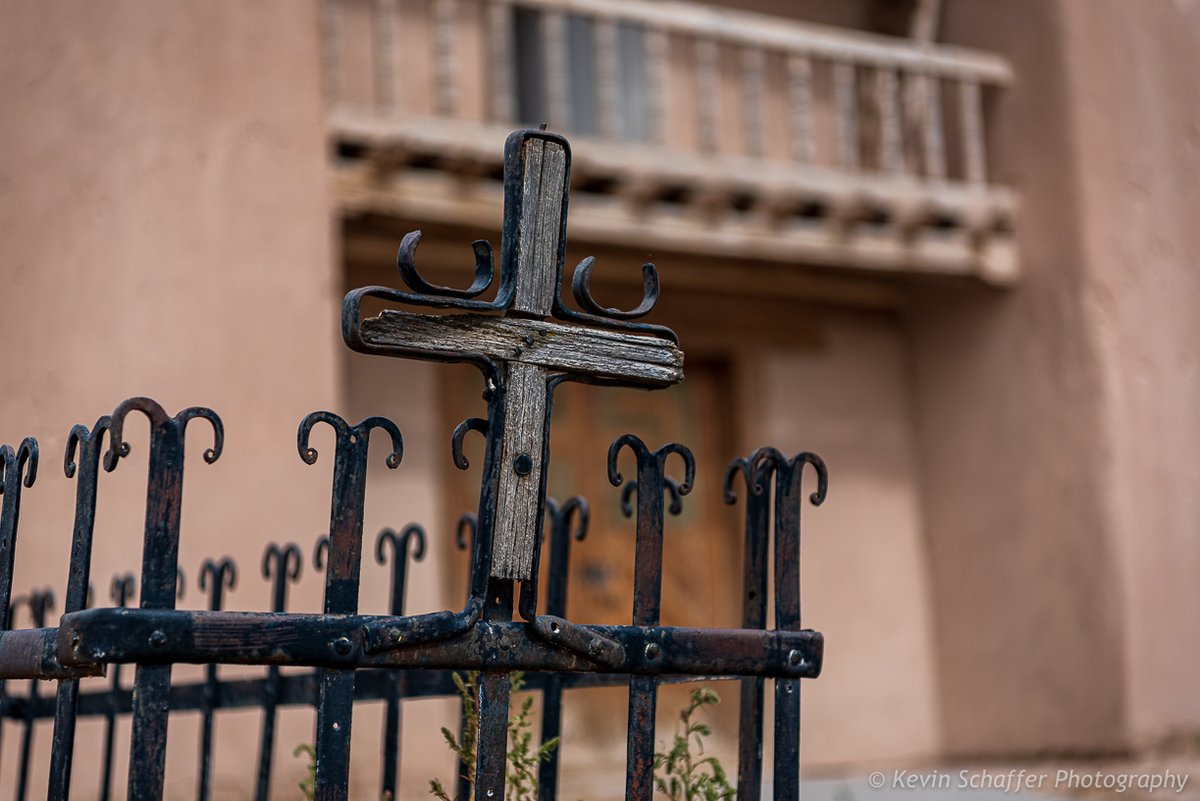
(523, 758)
(681, 774)
(308, 785)
(684, 775)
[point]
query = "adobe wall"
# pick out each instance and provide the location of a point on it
(166, 231)
(1011, 424)
(865, 581)
(1135, 69)
(1058, 421)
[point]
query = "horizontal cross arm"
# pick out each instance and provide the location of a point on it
(261, 638)
(593, 352)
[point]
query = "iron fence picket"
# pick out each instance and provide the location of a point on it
(280, 566)
(39, 602)
(215, 577)
(395, 680)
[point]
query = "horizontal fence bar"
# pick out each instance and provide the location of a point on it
(27, 653)
(261, 638)
(301, 690)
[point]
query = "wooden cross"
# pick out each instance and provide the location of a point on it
(522, 351)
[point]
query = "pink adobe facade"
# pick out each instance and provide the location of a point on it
(1006, 563)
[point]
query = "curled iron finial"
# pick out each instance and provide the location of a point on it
(347, 432)
(406, 263)
(281, 561)
(799, 460)
(643, 453)
(755, 471)
(635, 444)
(122, 588)
(581, 288)
(336, 422)
(118, 448)
(40, 603)
(78, 432)
(467, 522)
(215, 572)
(81, 434)
(320, 551)
(626, 497)
(764, 460)
(689, 466)
(23, 463)
(456, 440)
(742, 466)
(281, 565)
(27, 462)
(669, 484)
(413, 533)
(216, 576)
(210, 454)
(576, 506)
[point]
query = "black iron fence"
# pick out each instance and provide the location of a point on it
(526, 342)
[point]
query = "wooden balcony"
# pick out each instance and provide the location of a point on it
(696, 130)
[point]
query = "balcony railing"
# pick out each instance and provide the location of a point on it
(696, 128)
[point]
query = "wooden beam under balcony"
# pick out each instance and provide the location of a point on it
(657, 200)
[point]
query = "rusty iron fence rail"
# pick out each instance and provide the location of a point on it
(281, 566)
(526, 342)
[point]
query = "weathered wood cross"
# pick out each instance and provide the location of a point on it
(522, 353)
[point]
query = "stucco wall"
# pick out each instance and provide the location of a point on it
(864, 562)
(166, 231)
(1006, 564)
(1135, 69)
(1010, 419)
(1058, 421)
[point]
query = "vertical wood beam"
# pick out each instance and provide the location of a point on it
(656, 85)
(800, 107)
(970, 107)
(887, 97)
(384, 55)
(543, 187)
(503, 106)
(708, 100)
(554, 41)
(932, 136)
(845, 94)
(331, 40)
(445, 14)
(754, 76)
(606, 76)
(926, 19)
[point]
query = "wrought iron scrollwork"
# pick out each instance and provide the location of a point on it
(406, 263)
(581, 288)
(320, 551)
(456, 440)
(280, 563)
(671, 486)
(18, 468)
(349, 434)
